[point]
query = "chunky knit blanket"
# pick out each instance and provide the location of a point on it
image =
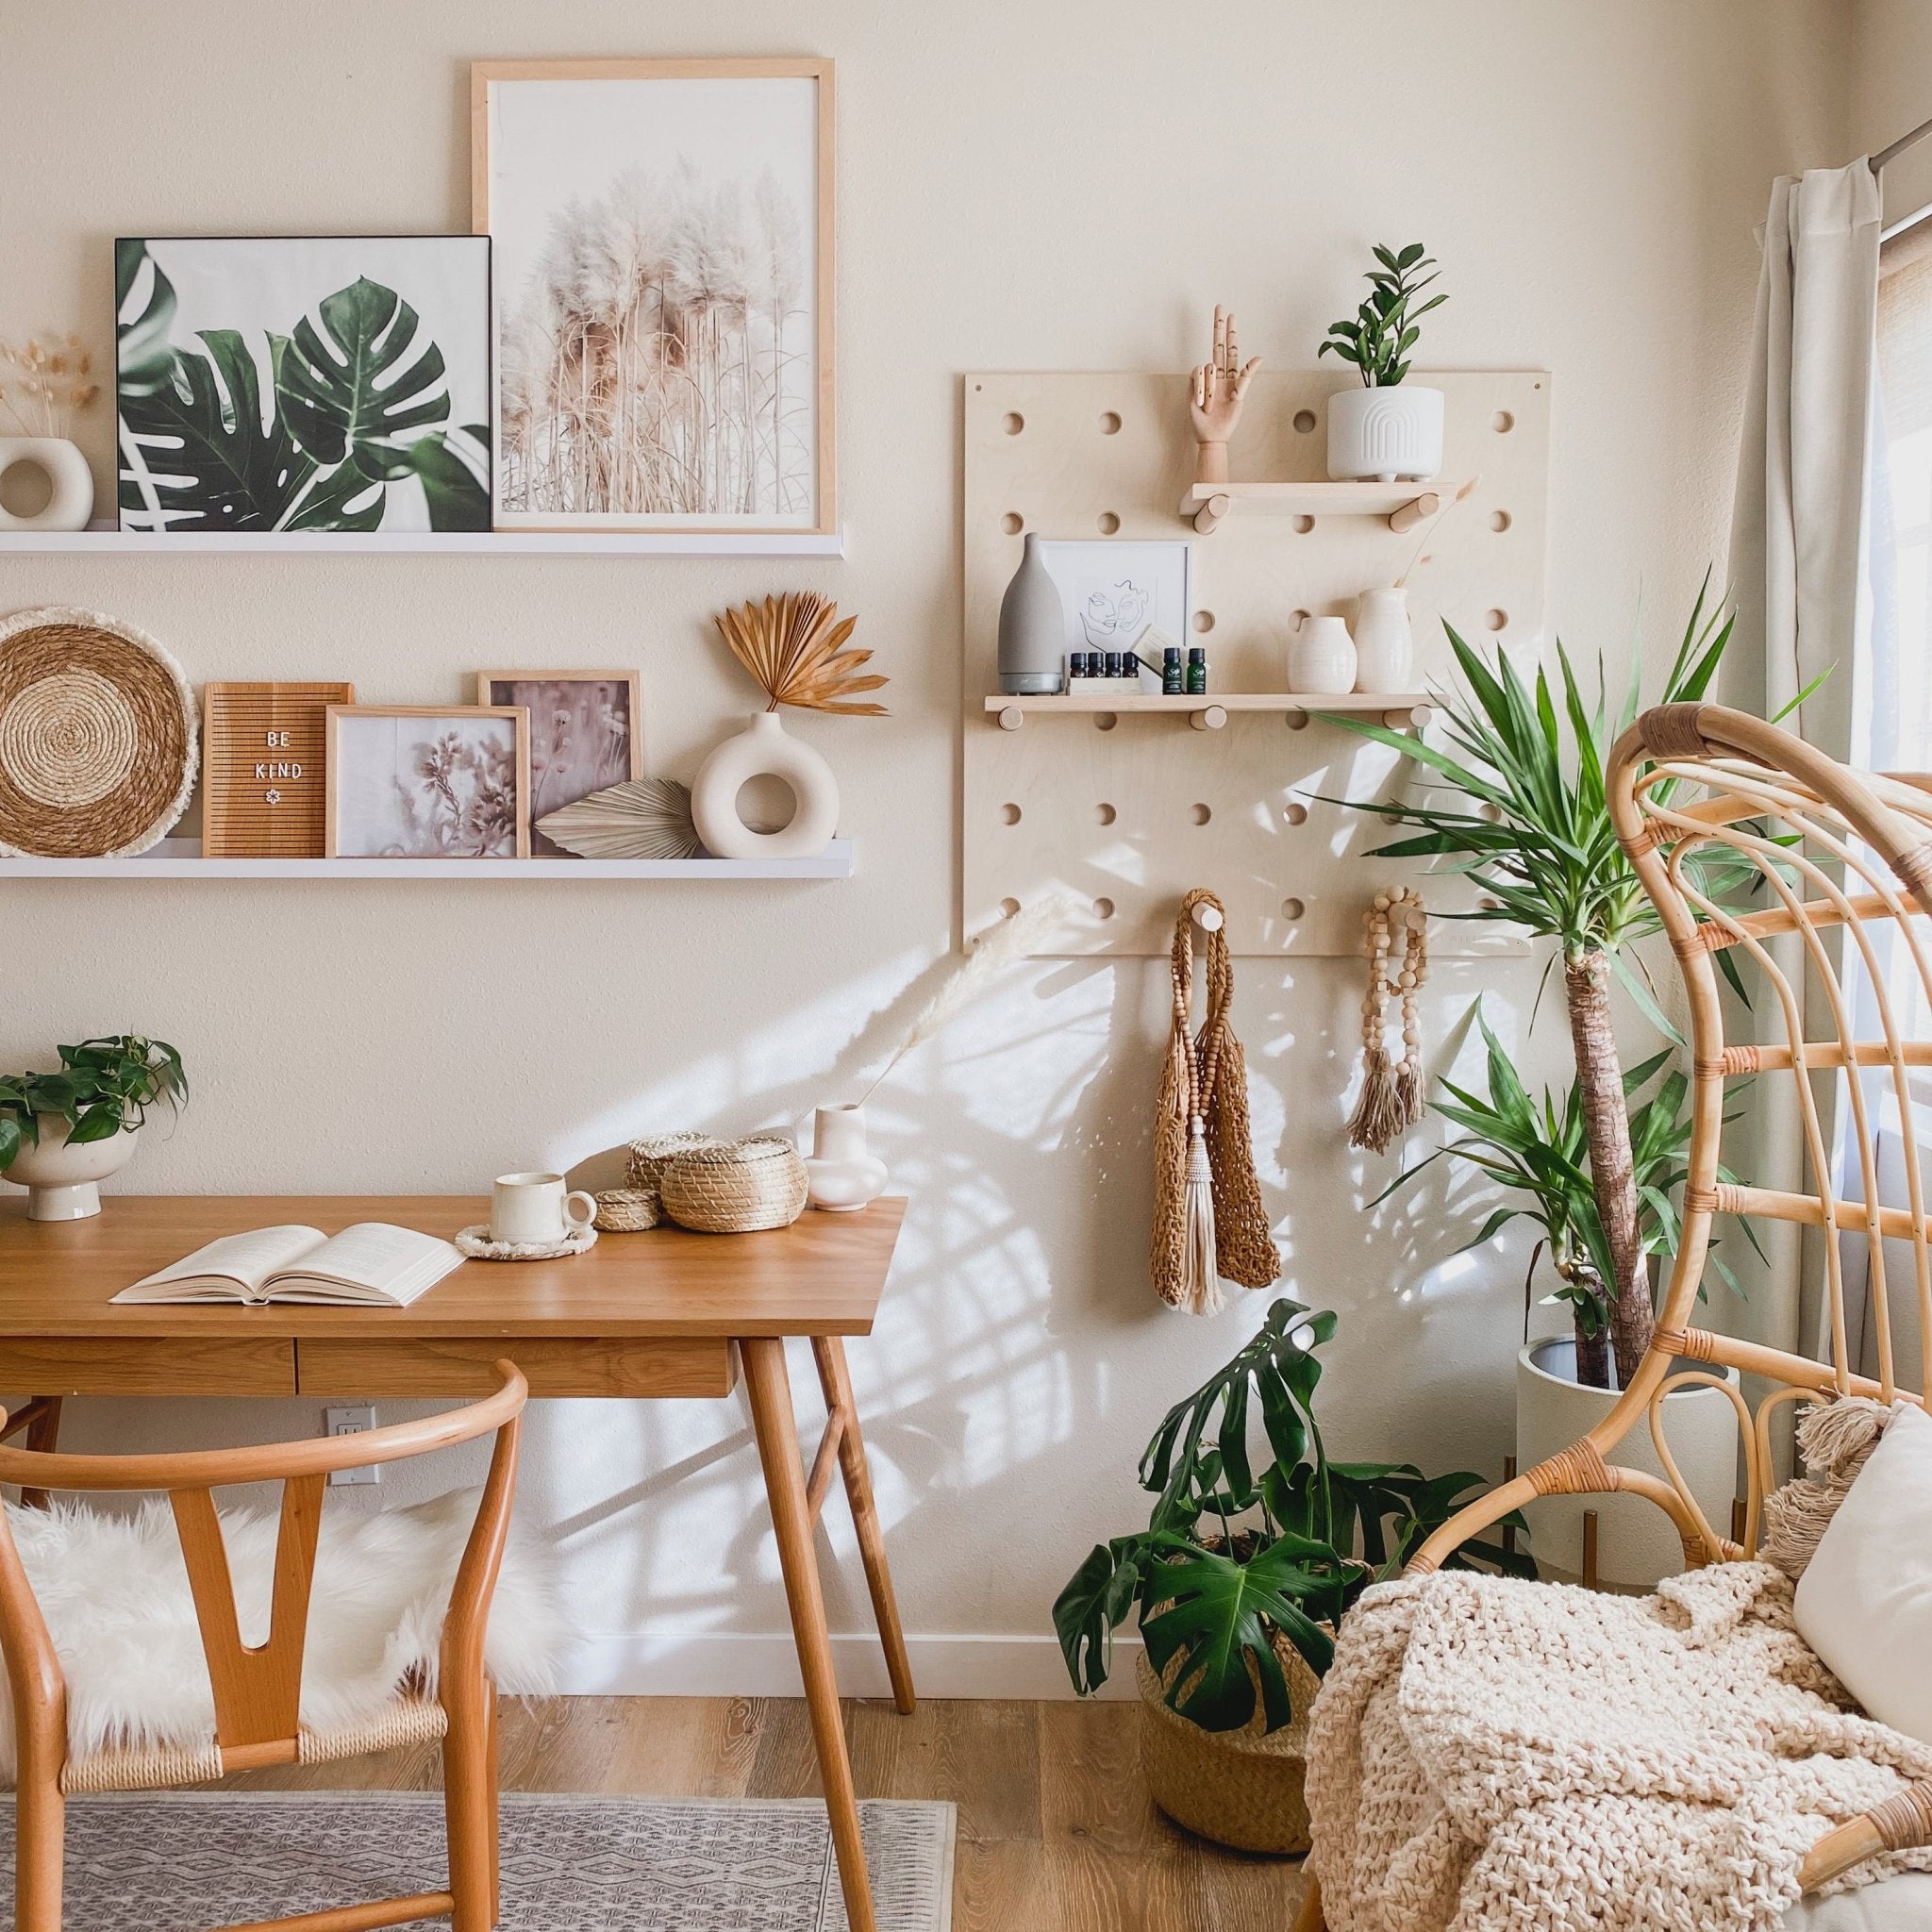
(1487, 1752)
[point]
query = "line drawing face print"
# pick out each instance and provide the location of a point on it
(1113, 615)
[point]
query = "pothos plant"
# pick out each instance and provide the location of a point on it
(346, 418)
(1381, 340)
(1237, 1547)
(103, 1086)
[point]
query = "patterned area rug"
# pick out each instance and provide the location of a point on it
(169, 1861)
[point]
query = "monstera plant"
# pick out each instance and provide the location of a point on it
(350, 409)
(1238, 1548)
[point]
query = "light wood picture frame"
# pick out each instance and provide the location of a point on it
(652, 422)
(264, 759)
(586, 732)
(431, 793)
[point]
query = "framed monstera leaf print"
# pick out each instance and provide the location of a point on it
(325, 383)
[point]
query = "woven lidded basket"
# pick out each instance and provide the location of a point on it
(1239, 1788)
(737, 1187)
(646, 1160)
(627, 1210)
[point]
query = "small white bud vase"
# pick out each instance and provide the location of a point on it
(62, 1179)
(1384, 643)
(1321, 658)
(842, 1174)
(1380, 435)
(765, 749)
(71, 484)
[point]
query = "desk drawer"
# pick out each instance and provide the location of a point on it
(140, 1365)
(697, 1365)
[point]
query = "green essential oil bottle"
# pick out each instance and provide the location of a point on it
(1197, 671)
(1174, 682)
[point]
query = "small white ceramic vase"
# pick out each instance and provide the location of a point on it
(1384, 644)
(61, 1179)
(765, 749)
(1321, 658)
(71, 484)
(1379, 435)
(844, 1174)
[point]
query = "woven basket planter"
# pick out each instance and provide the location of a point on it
(1239, 1788)
(735, 1188)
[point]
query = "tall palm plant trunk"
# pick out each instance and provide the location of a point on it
(1612, 1171)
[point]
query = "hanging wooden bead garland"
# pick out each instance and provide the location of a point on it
(1391, 1090)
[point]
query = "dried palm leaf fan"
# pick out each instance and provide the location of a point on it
(642, 818)
(794, 646)
(1209, 1219)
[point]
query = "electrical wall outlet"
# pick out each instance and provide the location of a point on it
(352, 1421)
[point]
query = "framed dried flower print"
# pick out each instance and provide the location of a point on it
(662, 280)
(429, 781)
(584, 735)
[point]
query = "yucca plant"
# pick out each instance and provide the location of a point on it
(1538, 1150)
(1528, 822)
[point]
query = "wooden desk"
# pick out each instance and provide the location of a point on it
(648, 1315)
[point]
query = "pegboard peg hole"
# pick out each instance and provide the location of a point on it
(1105, 721)
(1010, 908)
(1200, 813)
(1012, 523)
(1499, 520)
(1304, 525)
(1292, 909)
(1103, 908)
(1109, 422)
(1502, 422)
(1295, 812)
(1297, 721)
(1012, 422)
(1497, 620)
(1203, 620)
(1104, 814)
(1109, 522)
(1011, 814)
(1304, 422)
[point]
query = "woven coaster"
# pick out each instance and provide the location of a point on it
(477, 1244)
(97, 735)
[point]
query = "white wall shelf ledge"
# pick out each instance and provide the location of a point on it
(180, 858)
(427, 543)
(1402, 504)
(1399, 711)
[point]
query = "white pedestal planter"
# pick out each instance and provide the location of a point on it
(1379, 435)
(61, 1180)
(843, 1172)
(1637, 1543)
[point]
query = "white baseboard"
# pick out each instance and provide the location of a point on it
(663, 1663)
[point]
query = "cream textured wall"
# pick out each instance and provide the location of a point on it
(1891, 94)
(1051, 184)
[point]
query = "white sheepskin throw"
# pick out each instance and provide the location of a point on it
(115, 1593)
(1487, 1752)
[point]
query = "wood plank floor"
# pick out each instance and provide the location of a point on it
(1056, 1833)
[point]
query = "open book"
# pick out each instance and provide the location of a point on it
(371, 1262)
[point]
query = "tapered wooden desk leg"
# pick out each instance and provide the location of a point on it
(43, 1436)
(777, 1425)
(835, 1379)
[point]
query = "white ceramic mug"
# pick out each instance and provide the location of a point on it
(538, 1209)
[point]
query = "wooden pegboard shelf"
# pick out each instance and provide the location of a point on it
(1400, 710)
(1402, 506)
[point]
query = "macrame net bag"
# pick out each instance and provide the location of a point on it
(1209, 1219)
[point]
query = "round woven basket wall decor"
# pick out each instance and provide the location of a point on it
(98, 746)
(735, 1188)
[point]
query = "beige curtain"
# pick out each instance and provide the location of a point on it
(1798, 573)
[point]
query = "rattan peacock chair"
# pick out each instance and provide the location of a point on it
(1844, 859)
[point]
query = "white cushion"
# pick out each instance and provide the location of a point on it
(115, 1595)
(1902, 1904)
(1865, 1601)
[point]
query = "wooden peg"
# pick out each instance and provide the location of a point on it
(1011, 717)
(1415, 511)
(1211, 719)
(1408, 718)
(1209, 515)
(1206, 918)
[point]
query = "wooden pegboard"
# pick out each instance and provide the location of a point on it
(1128, 817)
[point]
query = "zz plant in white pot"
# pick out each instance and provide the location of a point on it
(1388, 428)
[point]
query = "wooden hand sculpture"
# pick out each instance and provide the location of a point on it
(1218, 386)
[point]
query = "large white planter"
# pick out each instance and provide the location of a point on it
(1637, 1543)
(1380, 435)
(61, 1179)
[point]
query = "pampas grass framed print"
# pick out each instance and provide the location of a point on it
(429, 781)
(662, 234)
(319, 383)
(584, 735)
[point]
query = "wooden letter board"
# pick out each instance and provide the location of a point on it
(264, 748)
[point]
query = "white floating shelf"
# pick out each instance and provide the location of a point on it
(1404, 505)
(1399, 711)
(180, 858)
(428, 543)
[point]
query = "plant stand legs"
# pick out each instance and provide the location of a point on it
(777, 1427)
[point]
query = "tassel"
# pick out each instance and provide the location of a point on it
(1834, 1439)
(1200, 1279)
(1380, 1113)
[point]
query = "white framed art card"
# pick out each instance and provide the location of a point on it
(1113, 587)
(662, 236)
